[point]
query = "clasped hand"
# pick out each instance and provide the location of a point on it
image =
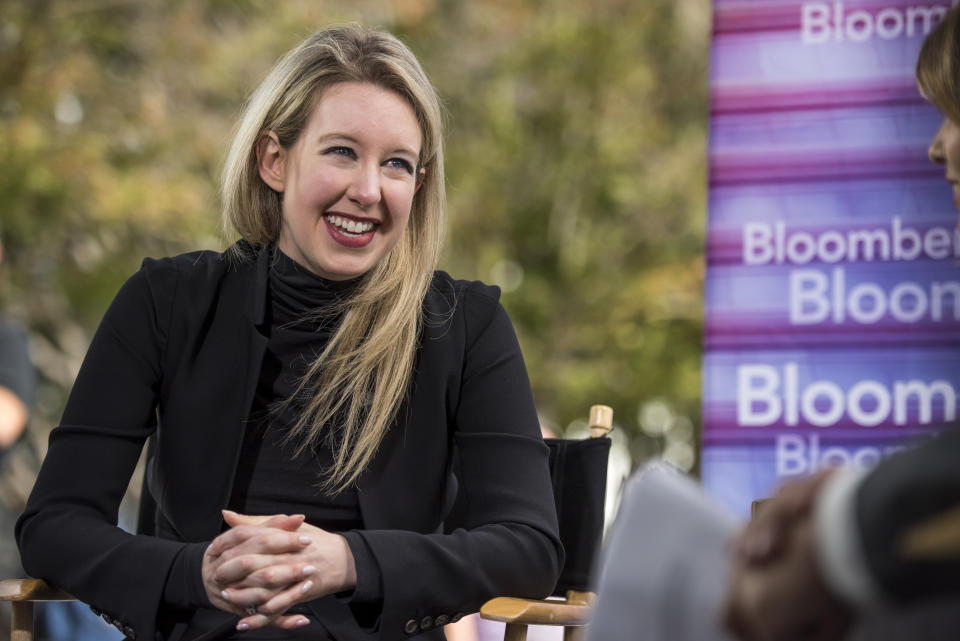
(264, 565)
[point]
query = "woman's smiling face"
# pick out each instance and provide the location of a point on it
(348, 182)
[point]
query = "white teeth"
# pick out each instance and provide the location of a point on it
(349, 227)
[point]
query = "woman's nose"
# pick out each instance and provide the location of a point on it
(935, 151)
(364, 188)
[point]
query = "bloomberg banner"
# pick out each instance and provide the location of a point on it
(832, 329)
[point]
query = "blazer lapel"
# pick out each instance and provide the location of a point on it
(246, 289)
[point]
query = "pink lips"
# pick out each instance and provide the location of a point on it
(353, 242)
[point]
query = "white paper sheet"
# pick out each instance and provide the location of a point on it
(664, 567)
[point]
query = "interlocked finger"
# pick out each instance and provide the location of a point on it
(255, 619)
(256, 539)
(278, 576)
(244, 598)
(290, 622)
(270, 570)
(287, 598)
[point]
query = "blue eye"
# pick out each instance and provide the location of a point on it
(400, 163)
(346, 152)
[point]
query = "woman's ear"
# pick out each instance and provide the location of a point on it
(421, 176)
(270, 160)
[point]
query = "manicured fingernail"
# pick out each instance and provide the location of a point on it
(308, 570)
(305, 540)
(226, 597)
(243, 626)
(230, 512)
(301, 622)
(306, 586)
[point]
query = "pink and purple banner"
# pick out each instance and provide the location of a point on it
(832, 329)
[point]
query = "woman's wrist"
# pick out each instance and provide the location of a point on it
(368, 588)
(350, 566)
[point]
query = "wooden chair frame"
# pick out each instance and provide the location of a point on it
(22, 594)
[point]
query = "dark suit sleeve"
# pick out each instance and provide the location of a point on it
(509, 543)
(68, 534)
(903, 491)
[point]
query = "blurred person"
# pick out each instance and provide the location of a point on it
(830, 547)
(307, 391)
(17, 381)
(17, 389)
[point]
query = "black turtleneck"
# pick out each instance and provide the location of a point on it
(270, 479)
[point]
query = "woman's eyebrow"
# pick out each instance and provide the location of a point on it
(328, 137)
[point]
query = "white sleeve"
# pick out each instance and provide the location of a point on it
(837, 539)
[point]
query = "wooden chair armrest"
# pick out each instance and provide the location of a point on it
(534, 611)
(31, 590)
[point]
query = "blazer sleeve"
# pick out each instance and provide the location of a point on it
(903, 491)
(509, 544)
(68, 533)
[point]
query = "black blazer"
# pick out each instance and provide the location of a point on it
(178, 354)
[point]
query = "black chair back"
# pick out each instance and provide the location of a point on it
(578, 470)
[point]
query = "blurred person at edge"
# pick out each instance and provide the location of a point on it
(17, 389)
(308, 390)
(17, 381)
(830, 546)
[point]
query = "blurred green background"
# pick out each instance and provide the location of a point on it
(576, 174)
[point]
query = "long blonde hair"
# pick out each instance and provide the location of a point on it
(352, 392)
(938, 67)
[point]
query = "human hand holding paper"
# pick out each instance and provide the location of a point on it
(764, 538)
(776, 590)
(783, 597)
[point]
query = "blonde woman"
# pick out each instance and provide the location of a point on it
(310, 393)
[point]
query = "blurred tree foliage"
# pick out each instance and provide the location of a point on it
(576, 172)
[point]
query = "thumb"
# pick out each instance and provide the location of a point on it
(290, 523)
(282, 521)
